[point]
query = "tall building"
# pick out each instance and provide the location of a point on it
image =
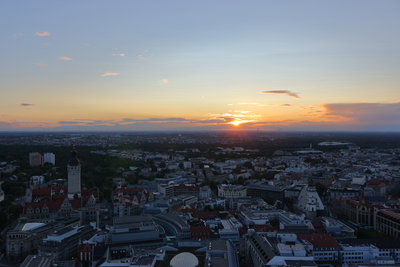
(74, 175)
(309, 201)
(49, 158)
(387, 221)
(1, 193)
(35, 159)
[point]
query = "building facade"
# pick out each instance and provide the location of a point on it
(388, 222)
(49, 158)
(231, 191)
(35, 159)
(74, 176)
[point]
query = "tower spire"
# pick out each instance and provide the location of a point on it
(74, 157)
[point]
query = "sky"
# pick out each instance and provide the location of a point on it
(130, 65)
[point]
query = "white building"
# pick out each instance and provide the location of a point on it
(231, 191)
(358, 254)
(205, 192)
(49, 158)
(37, 180)
(260, 217)
(293, 222)
(166, 190)
(380, 251)
(230, 229)
(309, 201)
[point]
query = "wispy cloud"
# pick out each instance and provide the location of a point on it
(250, 103)
(109, 74)
(22, 125)
(63, 58)
(366, 113)
(281, 92)
(219, 119)
(42, 34)
(145, 54)
(164, 81)
(39, 64)
(84, 44)
(177, 119)
(263, 105)
(18, 35)
(86, 122)
(324, 117)
(341, 116)
(71, 122)
(119, 54)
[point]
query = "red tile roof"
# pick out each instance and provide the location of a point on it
(53, 206)
(200, 229)
(375, 182)
(45, 192)
(205, 215)
(320, 240)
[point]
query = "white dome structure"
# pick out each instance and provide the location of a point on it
(184, 259)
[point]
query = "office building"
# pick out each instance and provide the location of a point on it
(35, 159)
(49, 158)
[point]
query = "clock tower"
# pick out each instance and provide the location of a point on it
(74, 175)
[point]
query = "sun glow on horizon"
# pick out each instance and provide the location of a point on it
(236, 122)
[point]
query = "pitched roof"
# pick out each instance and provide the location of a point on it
(320, 240)
(53, 206)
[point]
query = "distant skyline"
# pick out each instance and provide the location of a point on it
(200, 65)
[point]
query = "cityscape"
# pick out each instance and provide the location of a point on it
(200, 199)
(213, 133)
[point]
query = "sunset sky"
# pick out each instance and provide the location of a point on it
(200, 65)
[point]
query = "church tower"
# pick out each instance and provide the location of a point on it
(74, 175)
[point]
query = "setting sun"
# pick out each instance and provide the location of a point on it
(236, 122)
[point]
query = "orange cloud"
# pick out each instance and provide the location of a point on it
(164, 81)
(65, 58)
(42, 34)
(40, 64)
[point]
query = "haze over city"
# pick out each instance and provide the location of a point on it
(200, 65)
